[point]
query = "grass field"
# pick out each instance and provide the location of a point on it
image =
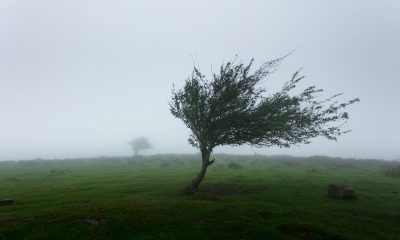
(242, 197)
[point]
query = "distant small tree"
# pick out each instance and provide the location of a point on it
(139, 144)
(233, 109)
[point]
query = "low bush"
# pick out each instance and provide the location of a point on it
(58, 172)
(392, 171)
(233, 165)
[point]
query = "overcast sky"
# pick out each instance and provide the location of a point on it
(81, 78)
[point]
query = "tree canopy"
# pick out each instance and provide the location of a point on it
(233, 108)
(140, 143)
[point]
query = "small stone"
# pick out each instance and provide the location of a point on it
(6, 202)
(340, 191)
(92, 221)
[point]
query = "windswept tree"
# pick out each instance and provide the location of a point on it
(232, 108)
(139, 144)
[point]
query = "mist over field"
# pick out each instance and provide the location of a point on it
(199, 120)
(82, 78)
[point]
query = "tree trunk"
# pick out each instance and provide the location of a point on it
(205, 159)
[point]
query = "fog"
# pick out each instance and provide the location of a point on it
(82, 78)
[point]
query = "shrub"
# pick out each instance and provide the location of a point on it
(392, 171)
(233, 165)
(164, 164)
(57, 172)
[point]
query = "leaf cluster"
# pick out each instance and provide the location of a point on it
(233, 109)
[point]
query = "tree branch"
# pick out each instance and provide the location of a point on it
(210, 162)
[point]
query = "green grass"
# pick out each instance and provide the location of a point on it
(264, 198)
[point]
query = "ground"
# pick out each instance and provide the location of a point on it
(242, 197)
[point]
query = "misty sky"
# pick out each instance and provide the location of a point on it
(81, 78)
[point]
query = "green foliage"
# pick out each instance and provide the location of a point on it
(233, 109)
(392, 171)
(58, 172)
(234, 165)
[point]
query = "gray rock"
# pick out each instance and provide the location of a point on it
(340, 191)
(92, 221)
(6, 202)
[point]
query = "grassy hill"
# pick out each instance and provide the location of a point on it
(242, 197)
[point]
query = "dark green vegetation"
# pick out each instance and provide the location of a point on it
(393, 171)
(233, 108)
(243, 197)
